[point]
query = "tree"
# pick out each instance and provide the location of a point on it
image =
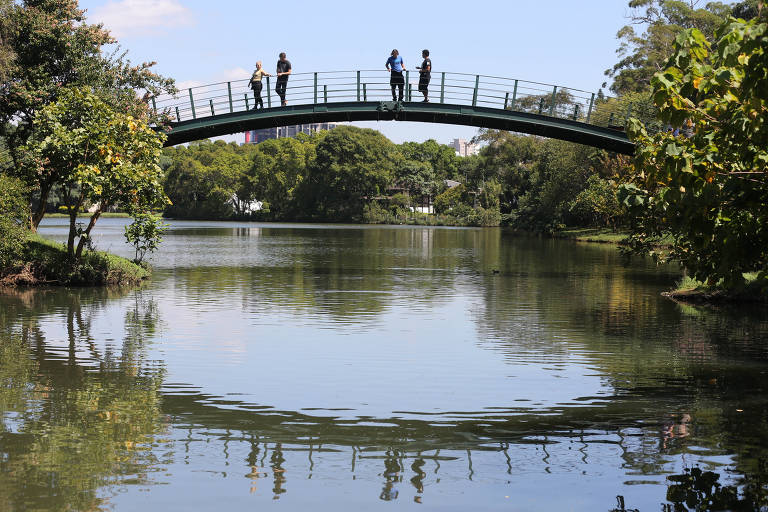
(145, 233)
(13, 214)
(352, 165)
(708, 189)
(53, 49)
(98, 156)
(642, 55)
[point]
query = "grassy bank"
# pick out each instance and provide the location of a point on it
(691, 291)
(45, 262)
(596, 235)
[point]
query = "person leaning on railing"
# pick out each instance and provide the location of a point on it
(396, 66)
(256, 84)
(283, 71)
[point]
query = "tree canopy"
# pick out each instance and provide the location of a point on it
(706, 186)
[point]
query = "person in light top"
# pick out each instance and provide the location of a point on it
(396, 67)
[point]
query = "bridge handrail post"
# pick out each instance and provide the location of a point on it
(325, 93)
(212, 111)
(178, 116)
(474, 94)
(576, 112)
(229, 93)
(591, 104)
(506, 100)
(442, 88)
(365, 92)
(315, 88)
(154, 105)
(247, 106)
(358, 86)
(192, 104)
(514, 97)
(269, 94)
(408, 85)
(552, 101)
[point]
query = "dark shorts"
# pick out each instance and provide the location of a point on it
(423, 83)
(397, 78)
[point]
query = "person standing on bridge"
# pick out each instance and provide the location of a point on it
(396, 66)
(256, 84)
(283, 71)
(425, 74)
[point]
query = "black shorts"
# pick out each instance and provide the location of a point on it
(397, 78)
(423, 83)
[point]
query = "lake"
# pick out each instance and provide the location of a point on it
(344, 367)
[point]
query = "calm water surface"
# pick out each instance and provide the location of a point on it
(357, 368)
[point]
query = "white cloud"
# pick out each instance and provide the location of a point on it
(141, 17)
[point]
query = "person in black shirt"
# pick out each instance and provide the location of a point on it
(425, 74)
(283, 71)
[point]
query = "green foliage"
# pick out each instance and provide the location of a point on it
(708, 190)
(48, 262)
(450, 199)
(352, 165)
(14, 213)
(642, 55)
(145, 233)
(596, 205)
(47, 48)
(490, 194)
(97, 155)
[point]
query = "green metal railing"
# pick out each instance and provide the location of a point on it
(373, 86)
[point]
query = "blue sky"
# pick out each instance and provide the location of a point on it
(194, 41)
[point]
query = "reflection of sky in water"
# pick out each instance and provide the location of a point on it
(315, 359)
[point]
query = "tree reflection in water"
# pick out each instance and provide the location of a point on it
(69, 428)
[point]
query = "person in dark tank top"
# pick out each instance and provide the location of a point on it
(283, 71)
(425, 75)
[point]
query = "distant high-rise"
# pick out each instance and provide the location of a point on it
(464, 148)
(256, 136)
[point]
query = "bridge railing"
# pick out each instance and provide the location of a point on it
(374, 86)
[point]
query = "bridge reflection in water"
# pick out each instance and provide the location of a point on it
(457, 98)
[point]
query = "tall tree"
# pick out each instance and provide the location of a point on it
(352, 165)
(708, 188)
(54, 48)
(643, 54)
(98, 156)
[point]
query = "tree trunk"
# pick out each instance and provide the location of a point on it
(37, 216)
(72, 233)
(87, 232)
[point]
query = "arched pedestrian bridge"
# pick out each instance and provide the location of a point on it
(455, 98)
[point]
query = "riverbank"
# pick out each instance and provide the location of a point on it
(45, 263)
(690, 291)
(594, 235)
(115, 215)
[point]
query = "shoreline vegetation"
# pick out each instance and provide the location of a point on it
(692, 292)
(46, 263)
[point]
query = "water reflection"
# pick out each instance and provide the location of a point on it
(70, 428)
(344, 368)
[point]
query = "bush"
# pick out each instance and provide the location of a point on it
(450, 199)
(596, 205)
(399, 202)
(14, 214)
